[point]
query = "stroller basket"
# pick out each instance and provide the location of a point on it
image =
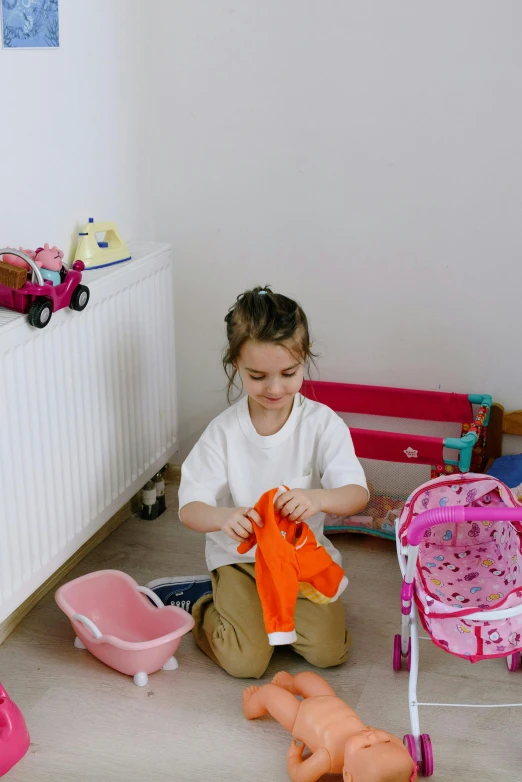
(459, 550)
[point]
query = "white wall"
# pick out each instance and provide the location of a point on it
(364, 157)
(73, 135)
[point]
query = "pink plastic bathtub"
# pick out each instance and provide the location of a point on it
(114, 619)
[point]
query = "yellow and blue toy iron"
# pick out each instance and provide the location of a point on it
(98, 252)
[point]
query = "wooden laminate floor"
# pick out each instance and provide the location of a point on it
(91, 724)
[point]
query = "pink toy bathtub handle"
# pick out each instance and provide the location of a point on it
(88, 623)
(153, 596)
(456, 514)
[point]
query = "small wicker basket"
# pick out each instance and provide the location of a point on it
(12, 276)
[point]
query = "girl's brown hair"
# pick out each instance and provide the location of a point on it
(264, 316)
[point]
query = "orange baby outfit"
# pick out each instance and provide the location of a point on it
(289, 558)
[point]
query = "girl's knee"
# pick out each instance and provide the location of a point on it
(250, 665)
(322, 658)
(328, 654)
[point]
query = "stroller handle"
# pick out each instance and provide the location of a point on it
(456, 514)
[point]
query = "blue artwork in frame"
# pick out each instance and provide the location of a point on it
(30, 24)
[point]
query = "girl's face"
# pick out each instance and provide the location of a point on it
(271, 374)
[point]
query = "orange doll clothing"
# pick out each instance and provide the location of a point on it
(289, 558)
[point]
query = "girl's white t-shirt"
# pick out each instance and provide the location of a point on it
(232, 465)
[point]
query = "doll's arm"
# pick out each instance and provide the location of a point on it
(311, 769)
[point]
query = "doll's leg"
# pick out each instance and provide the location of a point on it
(270, 699)
(307, 684)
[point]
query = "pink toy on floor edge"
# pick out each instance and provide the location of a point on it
(14, 738)
(337, 739)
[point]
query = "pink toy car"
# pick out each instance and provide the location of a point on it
(14, 738)
(39, 298)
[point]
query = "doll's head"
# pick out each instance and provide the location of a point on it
(376, 756)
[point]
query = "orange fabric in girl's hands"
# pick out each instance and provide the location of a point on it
(287, 555)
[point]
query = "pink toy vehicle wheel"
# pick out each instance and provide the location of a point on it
(80, 298)
(411, 746)
(40, 313)
(397, 654)
(427, 755)
(513, 662)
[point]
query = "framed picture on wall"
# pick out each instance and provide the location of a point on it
(30, 24)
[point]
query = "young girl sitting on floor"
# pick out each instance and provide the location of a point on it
(271, 437)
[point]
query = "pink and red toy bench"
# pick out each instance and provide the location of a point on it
(403, 438)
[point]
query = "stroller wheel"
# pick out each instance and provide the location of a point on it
(397, 653)
(427, 755)
(411, 745)
(513, 662)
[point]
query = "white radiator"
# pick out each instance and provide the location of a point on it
(87, 415)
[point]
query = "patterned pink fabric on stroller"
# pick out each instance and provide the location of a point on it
(459, 548)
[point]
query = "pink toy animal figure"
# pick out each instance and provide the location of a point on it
(14, 738)
(51, 260)
(14, 260)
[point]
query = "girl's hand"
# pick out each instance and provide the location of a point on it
(299, 504)
(237, 523)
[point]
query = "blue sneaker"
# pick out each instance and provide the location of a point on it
(182, 591)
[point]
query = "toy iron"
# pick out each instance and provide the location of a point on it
(97, 253)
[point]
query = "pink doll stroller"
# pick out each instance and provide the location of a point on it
(459, 550)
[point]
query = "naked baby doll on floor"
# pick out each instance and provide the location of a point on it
(337, 739)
